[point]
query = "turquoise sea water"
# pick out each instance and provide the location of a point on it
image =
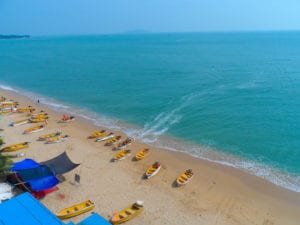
(233, 98)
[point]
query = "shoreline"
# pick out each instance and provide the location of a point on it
(167, 142)
(218, 194)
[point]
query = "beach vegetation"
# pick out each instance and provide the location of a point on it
(5, 162)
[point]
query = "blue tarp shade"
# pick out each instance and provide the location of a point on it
(35, 173)
(39, 177)
(26, 210)
(94, 219)
(43, 183)
(25, 164)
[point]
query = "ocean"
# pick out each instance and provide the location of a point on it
(231, 98)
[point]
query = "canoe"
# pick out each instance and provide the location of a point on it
(113, 141)
(38, 120)
(123, 144)
(107, 137)
(121, 155)
(15, 147)
(152, 170)
(97, 134)
(67, 120)
(127, 214)
(76, 210)
(57, 139)
(185, 177)
(19, 122)
(34, 129)
(46, 136)
(27, 109)
(40, 115)
(142, 154)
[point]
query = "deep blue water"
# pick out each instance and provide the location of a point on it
(234, 93)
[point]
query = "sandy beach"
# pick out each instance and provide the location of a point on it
(216, 195)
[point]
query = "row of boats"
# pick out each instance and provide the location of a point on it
(111, 139)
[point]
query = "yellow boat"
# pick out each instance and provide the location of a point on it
(97, 134)
(4, 112)
(27, 109)
(8, 104)
(40, 115)
(185, 177)
(113, 141)
(105, 137)
(46, 136)
(127, 214)
(76, 210)
(142, 154)
(15, 147)
(38, 120)
(34, 129)
(56, 139)
(152, 170)
(19, 122)
(121, 155)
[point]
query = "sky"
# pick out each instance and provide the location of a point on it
(63, 17)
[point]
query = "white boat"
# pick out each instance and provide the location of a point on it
(109, 136)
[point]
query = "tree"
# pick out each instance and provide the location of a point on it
(5, 162)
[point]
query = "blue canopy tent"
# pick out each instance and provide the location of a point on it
(39, 177)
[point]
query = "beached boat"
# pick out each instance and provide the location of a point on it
(121, 155)
(27, 109)
(97, 134)
(76, 210)
(46, 136)
(34, 129)
(142, 154)
(40, 115)
(15, 147)
(113, 140)
(5, 112)
(38, 120)
(66, 119)
(106, 137)
(152, 170)
(57, 139)
(8, 104)
(129, 213)
(185, 177)
(19, 122)
(123, 144)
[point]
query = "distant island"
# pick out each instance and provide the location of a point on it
(13, 36)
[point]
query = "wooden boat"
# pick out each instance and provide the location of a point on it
(46, 136)
(127, 214)
(34, 129)
(152, 170)
(66, 119)
(15, 147)
(105, 138)
(76, 210)
(142, 154)
(97, 134)
(27, 109)
(185, 177)
(19, 122)
(121, 155)
(38, 120)
(5, 112)
(123, 144)
(8, 104)
(113, 141)
(39, 115)
(57, 139)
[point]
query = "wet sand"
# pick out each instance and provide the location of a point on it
(217, 194)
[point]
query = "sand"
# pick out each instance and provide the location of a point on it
(217, 194)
